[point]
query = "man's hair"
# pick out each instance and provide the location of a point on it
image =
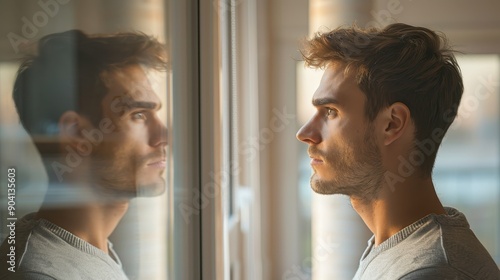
(67, 74)
(400, 63)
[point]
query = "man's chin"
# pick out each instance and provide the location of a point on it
(322, 186)
(151, 189)
(130, 191)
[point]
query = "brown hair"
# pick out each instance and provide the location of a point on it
(400, 63)
(66, 74)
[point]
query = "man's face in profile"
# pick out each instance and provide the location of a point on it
(345, 157)
(131, 159)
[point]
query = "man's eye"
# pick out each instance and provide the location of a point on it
(331, 112)
(139, 116)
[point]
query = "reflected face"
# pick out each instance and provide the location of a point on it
(344, 154)
(131, 159)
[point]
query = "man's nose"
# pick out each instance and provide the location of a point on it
(163, 135)
(309, 133)
(159, 134)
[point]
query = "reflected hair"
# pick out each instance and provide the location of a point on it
(399, 63)
(67, 74)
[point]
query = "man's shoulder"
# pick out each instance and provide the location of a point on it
(447, 249)
(448, 272)
(436, 272)
(438, 246)
(31, 252)
(26, 275)
(43, 249)
(465, 253)
(48, 253)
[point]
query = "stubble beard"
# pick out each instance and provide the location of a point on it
(117, 176)
(358, 174)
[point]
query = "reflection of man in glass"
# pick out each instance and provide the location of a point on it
(384, 104)
(89, 106)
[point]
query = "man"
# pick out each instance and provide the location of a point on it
(88, 104)
(387, 97)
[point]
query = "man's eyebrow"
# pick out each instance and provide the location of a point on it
(324, 101)
(142, 105)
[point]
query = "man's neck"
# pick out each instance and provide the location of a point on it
(397, 208)
(92, 222)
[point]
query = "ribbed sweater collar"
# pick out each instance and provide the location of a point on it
(452, 217)
(76, 241)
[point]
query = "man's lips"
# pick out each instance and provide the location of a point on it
(315, 160)
(158, 164)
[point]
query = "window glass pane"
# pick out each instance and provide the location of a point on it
(95, 105)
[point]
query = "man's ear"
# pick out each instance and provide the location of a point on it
(71, 126)
(396, 120)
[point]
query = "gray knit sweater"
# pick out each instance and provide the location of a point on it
(434, 247)
(44, 250)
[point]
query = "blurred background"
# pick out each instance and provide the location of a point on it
(238, 204)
